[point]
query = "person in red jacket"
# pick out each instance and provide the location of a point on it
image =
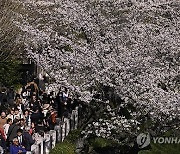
(2, 133)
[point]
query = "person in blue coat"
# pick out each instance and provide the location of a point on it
(15, 148)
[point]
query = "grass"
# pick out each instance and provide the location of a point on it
(162, 149)
(101, 143)
(64, 148)
(69, 144)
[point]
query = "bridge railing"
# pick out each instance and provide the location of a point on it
(61, 130)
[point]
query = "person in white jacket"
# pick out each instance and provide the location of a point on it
(6, 126)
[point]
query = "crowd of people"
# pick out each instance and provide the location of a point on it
(30, 113)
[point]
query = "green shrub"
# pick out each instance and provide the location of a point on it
(73, 136)
(9, 73)
(100, 143)
(64, 148)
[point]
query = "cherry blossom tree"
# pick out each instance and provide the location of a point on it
(130, 46)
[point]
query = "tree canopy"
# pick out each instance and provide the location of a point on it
(130, 46)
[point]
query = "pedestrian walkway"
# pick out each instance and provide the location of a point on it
(33, 120)
(61, 130)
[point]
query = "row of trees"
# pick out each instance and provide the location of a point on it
(10, 45)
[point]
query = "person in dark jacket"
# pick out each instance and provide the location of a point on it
(27, 139)
(36, 116)
(10, 96)
(20, 136)
(3, 96)
(59, 102)
(12, 132)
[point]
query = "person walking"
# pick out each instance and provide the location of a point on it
(27, 139)
(12, 132)
(6, 127)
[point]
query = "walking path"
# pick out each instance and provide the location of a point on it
(46, 118)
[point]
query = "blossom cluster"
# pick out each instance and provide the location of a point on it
(131, 46)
